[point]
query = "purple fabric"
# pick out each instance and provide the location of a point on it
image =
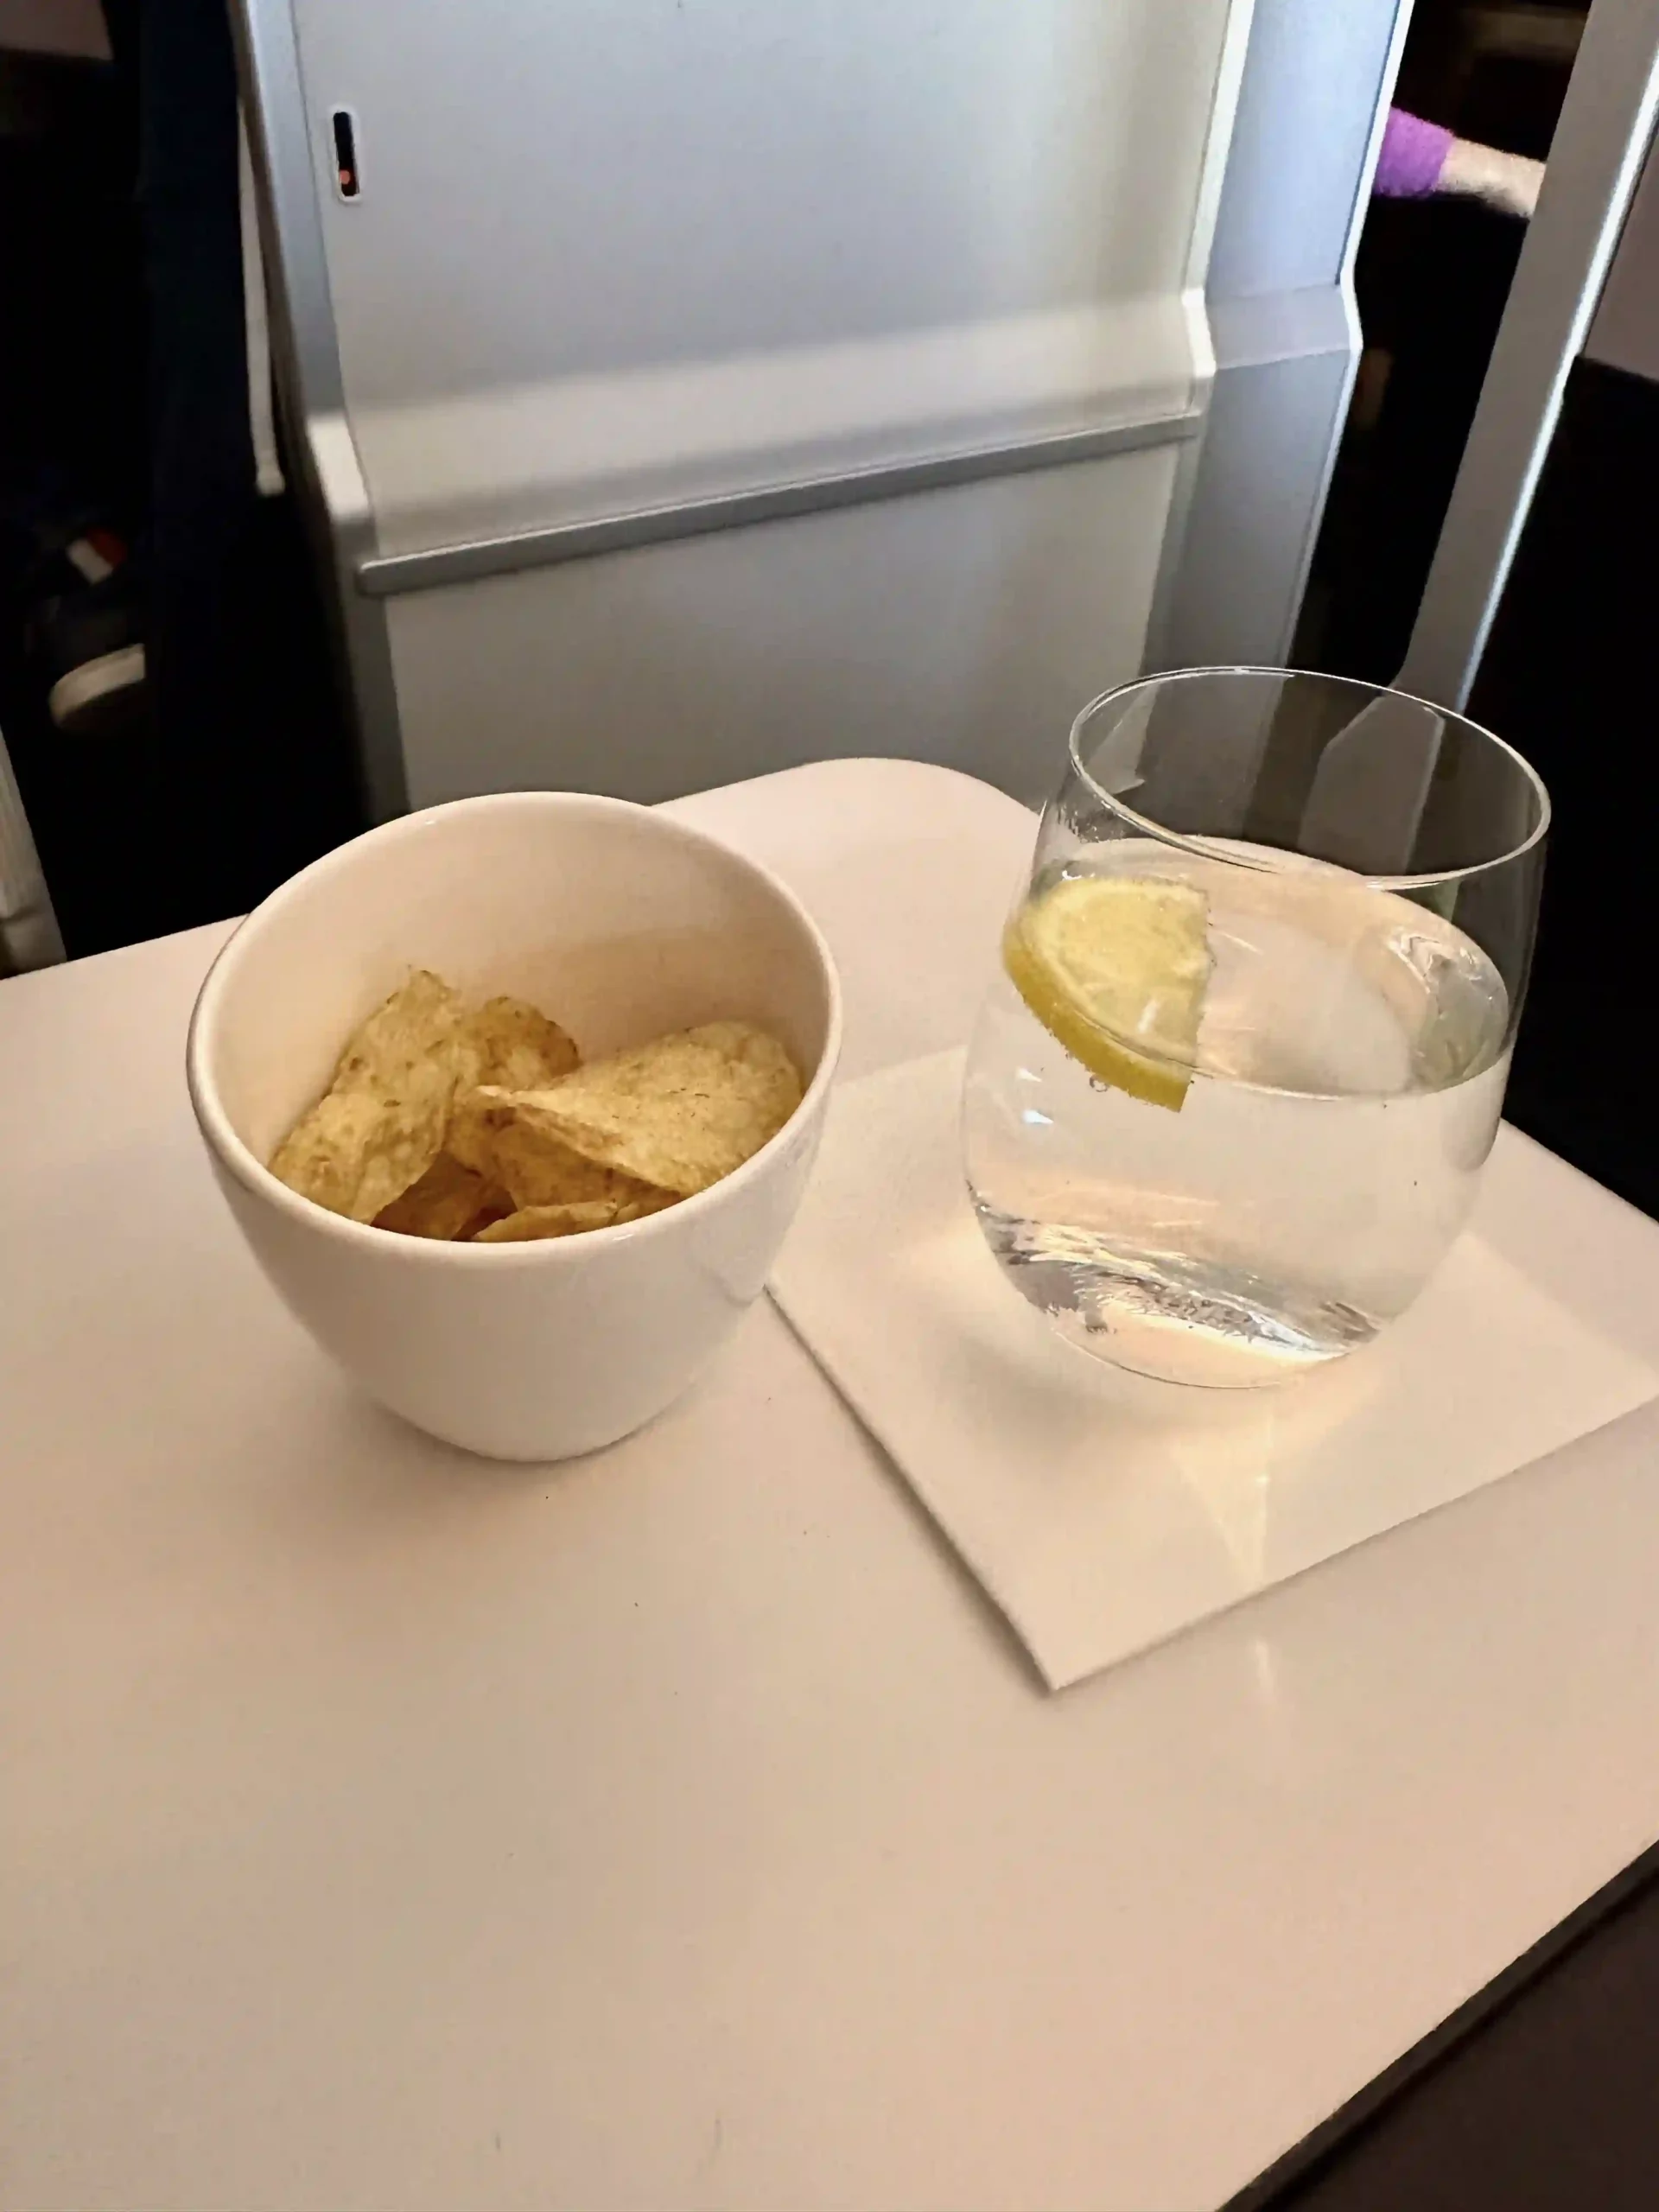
(1414, 154)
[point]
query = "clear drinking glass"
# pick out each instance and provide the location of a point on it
(1290, 926)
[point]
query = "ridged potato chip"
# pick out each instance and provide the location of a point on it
(679, 1114)
(379, 1125)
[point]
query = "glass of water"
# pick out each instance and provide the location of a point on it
(1230, 1096)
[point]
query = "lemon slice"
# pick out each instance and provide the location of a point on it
(1116, 967)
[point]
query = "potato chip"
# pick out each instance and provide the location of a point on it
(519, 1048)
(483, 1125)
(496, 1206)
(534, 1224)
(450, 1201)
(678, 1113)
(531, 1223)
(488, 1133)
(380, 1126)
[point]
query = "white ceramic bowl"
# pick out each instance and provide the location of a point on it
(621, 924)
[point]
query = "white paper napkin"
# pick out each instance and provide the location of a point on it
(1102, 1512)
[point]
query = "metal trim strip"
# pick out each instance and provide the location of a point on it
(383, 575)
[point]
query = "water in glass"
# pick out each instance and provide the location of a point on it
(1345, 1093)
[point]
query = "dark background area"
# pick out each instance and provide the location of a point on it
(124, 403)
(1566, 678)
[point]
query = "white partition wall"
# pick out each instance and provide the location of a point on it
(1284, 322)
(692, 387)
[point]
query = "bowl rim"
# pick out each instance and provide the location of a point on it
(252, 1172)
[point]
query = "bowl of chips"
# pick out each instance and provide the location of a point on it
(514, 1100)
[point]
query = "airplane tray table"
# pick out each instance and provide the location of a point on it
(682, 1827)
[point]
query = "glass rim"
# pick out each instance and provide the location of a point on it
(1215, 850)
